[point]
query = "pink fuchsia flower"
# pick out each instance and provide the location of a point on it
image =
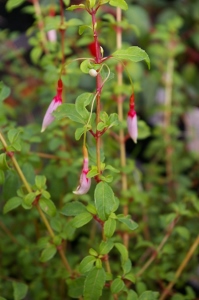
(85, 182)
(52, 35)
(132, 120)
(57, 101)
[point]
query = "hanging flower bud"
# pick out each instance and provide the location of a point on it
(85, 182)
(132, 120)
(93, 72)
(57, 101)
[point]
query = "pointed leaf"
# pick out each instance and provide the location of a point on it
(94, 284)
(68, 110)
(119, 3)
(87, 264)
(4, 91)
(132, 295)
(47, 206)
(72, 7)
(105, 247)
(12, 204)
(105, 201)
(76, 287)
(117, 286)
(128, 222)
(109, 227)
(20, 290)
(123, 251)
(73, 209)
(81, 102)
(82, 219)
(48, 253)
(133, 53)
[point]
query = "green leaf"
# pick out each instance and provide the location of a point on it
(93, 172)
(20, 290)
(13, 135)
(127, 221)
(85, 66)
(119, 3)
(48, 253)
(68, 110)
(123, 251)
(35, 54)
(3, 162)
(29, 198)
(74, 22)
(117, 286)
(109, 227)
(48, 206)
(98, 263)
(109, 167)
(131, 277)
(76, 287)
(11, 4)
(133, 53)
(132, 295)
(79, 132)
(82, 28)
(72, 7)
(149, 295)
(40, 182)
(4, 91)
(12, 204)
(94, 284)
(87, 264)
(82, 219)
(81, 102)
(1, 298)
(127, 266)
(73, 209)
(105, 201)
(105, 247)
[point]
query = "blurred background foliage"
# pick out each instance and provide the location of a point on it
(163, 167)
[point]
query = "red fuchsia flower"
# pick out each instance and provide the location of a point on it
(132, 120)
(85, 182)
(57, 101)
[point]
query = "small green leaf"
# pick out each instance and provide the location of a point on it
(4, 91)
(149, 295)
(105, 247)
(48, 253)
(91, 208)
(127, 221)
(82, 219)
(123, 251)
(12, 204)
(73, 209)
(76, 287)
(105, 201)
(20, 290)
(98, 263)
(94, 284)
(72, 7)
(79, 132)
(131, 277)
(47, 206)
(117, 286)
(109, 227)
(81, 102)
(127, 266)
(3, 162)
(35, 54)
(133, 53)
(13, 135)
(93, 252)
(119, 3)
(29, 198)
(86, 66)
(82, 28)
(87, 264)
(93, 172)
(143, 129)
(11, 4)
(109, 167)
(68, 110)
(132, 295)
(40, 182)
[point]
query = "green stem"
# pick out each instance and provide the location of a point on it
(29, 190)
(181, 268)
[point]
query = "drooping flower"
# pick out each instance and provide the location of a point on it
(85, 182)
(132, 120)
(57, 101)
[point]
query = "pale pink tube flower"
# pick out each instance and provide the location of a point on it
(132, 120)
(57, 101)
(85, 182)
(52, 35)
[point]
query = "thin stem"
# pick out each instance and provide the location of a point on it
(29, 190)
(159, 248)
(181, 268)
(121, 118)
(9, 233)
(62, 31)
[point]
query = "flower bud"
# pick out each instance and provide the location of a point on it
(132, 120)
(84, 183)
(57, 101)
(93, 72)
